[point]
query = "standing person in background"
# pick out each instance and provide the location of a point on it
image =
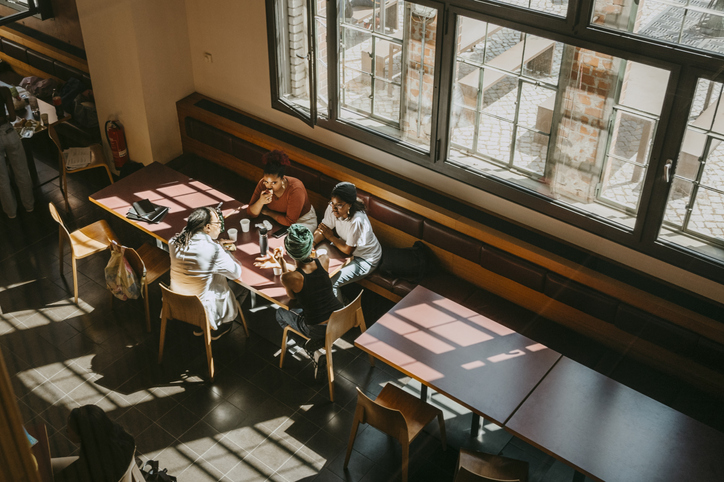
(201, 266)
(348, 228)
(11, 149)
(106, 449)
(282, 198)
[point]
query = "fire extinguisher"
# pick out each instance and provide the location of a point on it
(117, 141)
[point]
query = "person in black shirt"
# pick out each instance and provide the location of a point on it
(309, 283)
(106, 449)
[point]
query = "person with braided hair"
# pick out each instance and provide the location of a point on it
(282, 198)
(201, 266)
(308, 282)
(106, 449)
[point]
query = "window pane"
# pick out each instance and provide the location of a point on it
(321, 58)
(554, 7)
(696, 23)
(292, 51)
(695, 210)
(388, 58)
(570, 123)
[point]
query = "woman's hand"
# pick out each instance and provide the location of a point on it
(326, 232)
(266, 196)
(268, 261)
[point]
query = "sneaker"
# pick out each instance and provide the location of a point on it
(13, 216)
(216, 334)
(319, 360)
(225, 328)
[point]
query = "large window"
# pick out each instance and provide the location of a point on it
(561, 115)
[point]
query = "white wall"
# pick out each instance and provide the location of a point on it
(139, 60)
(234, 32)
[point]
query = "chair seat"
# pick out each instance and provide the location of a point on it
(92, 238)
(417, 413)
(156, 260)
(493, 466)
(98, 159)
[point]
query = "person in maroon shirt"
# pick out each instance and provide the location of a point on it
(282, 198)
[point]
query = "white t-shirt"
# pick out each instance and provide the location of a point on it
(356, 231)
(202, 269)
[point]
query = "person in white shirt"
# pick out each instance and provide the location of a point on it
(348, 228)
(201, 266)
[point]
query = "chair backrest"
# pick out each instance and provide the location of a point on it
(135, 261)
(187, 308)
(56, 140)
(464, 475)
(63, 230)
(387, 420)
(133, 474)
(341, 321)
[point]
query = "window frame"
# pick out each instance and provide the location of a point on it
(684, 64)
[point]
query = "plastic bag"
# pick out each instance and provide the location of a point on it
(120, 278)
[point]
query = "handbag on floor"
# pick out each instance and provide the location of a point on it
(152, 474)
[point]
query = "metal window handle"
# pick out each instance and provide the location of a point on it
(667, 170)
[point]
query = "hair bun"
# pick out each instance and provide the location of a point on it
(276, 156)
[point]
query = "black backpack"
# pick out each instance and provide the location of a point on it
(410, 264)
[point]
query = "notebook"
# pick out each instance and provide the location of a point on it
(145, 210)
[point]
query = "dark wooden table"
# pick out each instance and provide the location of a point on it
(484, 366)
(181, 194)
(611, 432)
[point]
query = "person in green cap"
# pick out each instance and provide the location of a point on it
(309, 283)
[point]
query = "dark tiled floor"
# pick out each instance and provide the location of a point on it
(255, 422)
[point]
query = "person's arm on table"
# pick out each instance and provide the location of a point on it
(259, 199)
(291, 280)
(337, 242)
(227, 265)
(295, 204)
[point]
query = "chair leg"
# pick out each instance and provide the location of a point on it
(330, 373)
(284, 346)
(405, 458)
(109, 173)
(441, 422)
(145, 305)
(60, 250)
(64, 186)
(353, 434)
(163, 336)
(75, 277)
(243, 322)
(209, 356)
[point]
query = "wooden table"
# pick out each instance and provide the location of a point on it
(484, 366)
(611, 432)
(181, 194)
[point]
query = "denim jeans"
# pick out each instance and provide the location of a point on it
(356, 269)
(11, 150)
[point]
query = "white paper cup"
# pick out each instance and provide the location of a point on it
(277, 271)
(245, 223)
(321, 252)
(233, 233)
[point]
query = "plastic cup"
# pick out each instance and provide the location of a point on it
(245, 223)
(233, 233)
(277, 271)
(321, 252)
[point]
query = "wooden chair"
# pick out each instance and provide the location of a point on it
(149, 263)
(398, 414)
(339, 323)
(189, 309)
(133, 474)
(480, 467)
(98, 159)
(84, 242)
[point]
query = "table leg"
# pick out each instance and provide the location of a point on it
(423, 393)
(475, 425)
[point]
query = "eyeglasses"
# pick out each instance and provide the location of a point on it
(338, 206)
(216, 222)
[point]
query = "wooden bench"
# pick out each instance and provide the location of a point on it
(510, 60)
(480, 266)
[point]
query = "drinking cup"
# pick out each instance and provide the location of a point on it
(277, 271)
(233, 233)
(245, 223)
(44, 118)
